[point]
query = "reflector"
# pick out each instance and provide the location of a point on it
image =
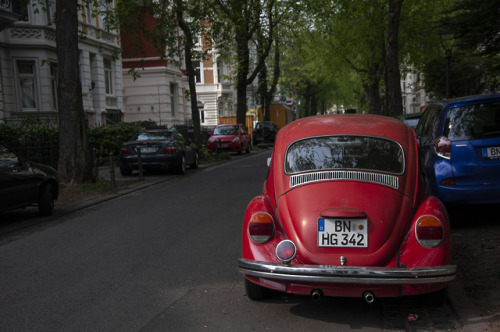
(286, 251)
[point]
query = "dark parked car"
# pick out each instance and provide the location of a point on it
(264, 131)
(459, 144)
(412, 119)
(159, 149)
(23, 183)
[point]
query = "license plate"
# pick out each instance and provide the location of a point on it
(344, 233)
(224, 146)
(491, 152)
(148, 150)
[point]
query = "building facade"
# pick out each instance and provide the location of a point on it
(28, 66)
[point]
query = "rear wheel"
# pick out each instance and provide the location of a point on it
(46, 201)
(181, 168)
(255, 292)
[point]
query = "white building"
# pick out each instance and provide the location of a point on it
(413, 94)
(28, 66)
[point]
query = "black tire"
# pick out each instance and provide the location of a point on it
(248, 147)
(124, 171)
(181, 168)
(46, 201)
(241, 149)
(195, 162)
(256, 292)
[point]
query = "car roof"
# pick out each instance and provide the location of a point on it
(345, 124)
(467, 100)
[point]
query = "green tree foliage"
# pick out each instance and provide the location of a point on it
(235, 24)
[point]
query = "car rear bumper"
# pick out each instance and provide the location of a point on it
(150, 162)
(348, 274)
(453, 195)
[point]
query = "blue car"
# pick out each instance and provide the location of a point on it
(459, 147)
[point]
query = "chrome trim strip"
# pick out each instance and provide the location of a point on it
(384, 179)
(348, 274)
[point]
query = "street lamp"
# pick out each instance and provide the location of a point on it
(447, 39)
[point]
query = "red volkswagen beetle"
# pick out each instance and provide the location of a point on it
(345, 212)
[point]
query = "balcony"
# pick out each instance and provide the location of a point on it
(9, 14)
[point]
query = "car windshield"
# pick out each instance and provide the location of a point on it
(7, 158)
(154, 135)
(473, 122)
(264, 125)
(344, 152)
(226, 130)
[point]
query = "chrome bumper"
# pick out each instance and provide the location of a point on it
(348, 274)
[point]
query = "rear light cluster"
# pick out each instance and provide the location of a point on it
(170, 150)
(124, 151)
(429, 231)
(442, 147)
(261, 227)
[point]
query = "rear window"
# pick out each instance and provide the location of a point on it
(344, 152)
(473, 122)
(155, 135)
(226, 130)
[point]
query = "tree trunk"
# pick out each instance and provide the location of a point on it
(74, 164)
(188, 47)
(393, 99)
(243, 63)
(372, 94)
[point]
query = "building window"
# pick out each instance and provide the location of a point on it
(104, 14)
(108, 76)
(219, 71)
(202, 112)
(50, 11)
(53, 83)
(197, 73)
(88, 12)
(21, 8)
(173, 98)
(26, 83)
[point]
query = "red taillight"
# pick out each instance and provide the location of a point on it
(448, 182)
(170, 150)
(429, 231)
(261, 228)
(442, 147)
(124, 151)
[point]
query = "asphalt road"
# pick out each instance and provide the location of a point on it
(164, 258)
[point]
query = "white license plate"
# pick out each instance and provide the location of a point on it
(224, 146)
(491, 152)
(148, 150)
(344, 233)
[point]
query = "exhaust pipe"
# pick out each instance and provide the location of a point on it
(316, 295)
(369, 297)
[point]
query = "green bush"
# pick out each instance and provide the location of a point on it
(33, 138)
(109, 139)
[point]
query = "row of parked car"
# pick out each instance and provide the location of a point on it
(458, 142)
